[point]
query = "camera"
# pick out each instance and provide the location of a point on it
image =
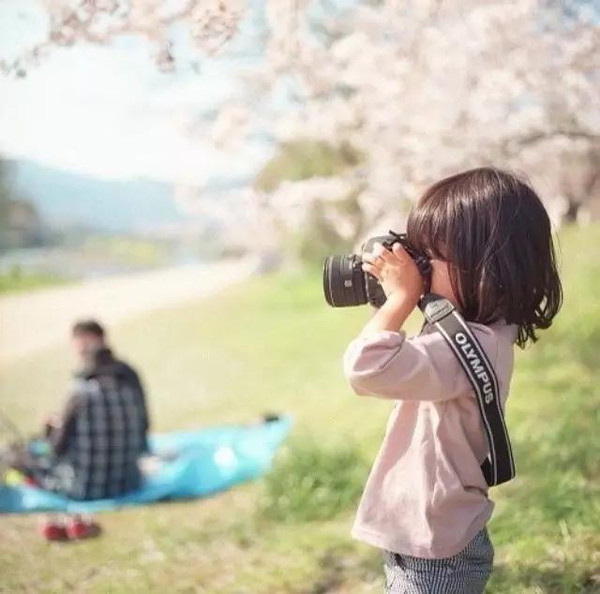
(346, 284)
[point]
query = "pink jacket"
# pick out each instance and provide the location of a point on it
(426, 495)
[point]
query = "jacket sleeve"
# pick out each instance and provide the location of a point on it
(60, 436)
(136, 383)
(144, 404)
(390, 365)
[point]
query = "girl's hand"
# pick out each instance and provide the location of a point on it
(396, 271)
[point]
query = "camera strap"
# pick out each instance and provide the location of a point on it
(499, 466)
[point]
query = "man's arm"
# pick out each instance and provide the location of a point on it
(63, 431)
(139, 387)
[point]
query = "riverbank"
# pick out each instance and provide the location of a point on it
(39, 319)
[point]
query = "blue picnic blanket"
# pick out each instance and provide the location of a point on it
(188, 464)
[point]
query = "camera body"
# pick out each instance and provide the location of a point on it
(345, 284)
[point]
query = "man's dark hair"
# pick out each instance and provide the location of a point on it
(88, 327)
(493, 229)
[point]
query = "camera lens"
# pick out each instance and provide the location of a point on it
(344, 281)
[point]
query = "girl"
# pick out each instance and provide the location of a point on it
(426, 501)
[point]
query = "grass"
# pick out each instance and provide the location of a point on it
(273, 345)
(313, 482)
(16, 281)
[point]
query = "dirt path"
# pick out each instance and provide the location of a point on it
(36, 320)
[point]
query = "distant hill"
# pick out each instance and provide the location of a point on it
(65, 198)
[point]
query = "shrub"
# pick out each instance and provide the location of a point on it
(313, 482)
(304, 159)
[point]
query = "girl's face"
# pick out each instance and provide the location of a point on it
(440, 281)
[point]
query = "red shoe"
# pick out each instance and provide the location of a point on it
(78, 529)
(53, 531)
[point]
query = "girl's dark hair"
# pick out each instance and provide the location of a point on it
(492, 228)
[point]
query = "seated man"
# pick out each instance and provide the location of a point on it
(97, 439)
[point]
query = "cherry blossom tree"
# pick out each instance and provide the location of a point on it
(210, 24)
(424, 88)
(419, 88)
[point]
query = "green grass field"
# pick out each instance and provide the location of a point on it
(17, 282)
(273, 345)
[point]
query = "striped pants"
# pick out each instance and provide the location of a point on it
(465, 573)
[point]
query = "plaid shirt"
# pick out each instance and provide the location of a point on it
(104, 431)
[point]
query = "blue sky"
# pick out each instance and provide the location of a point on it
(108, 112)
